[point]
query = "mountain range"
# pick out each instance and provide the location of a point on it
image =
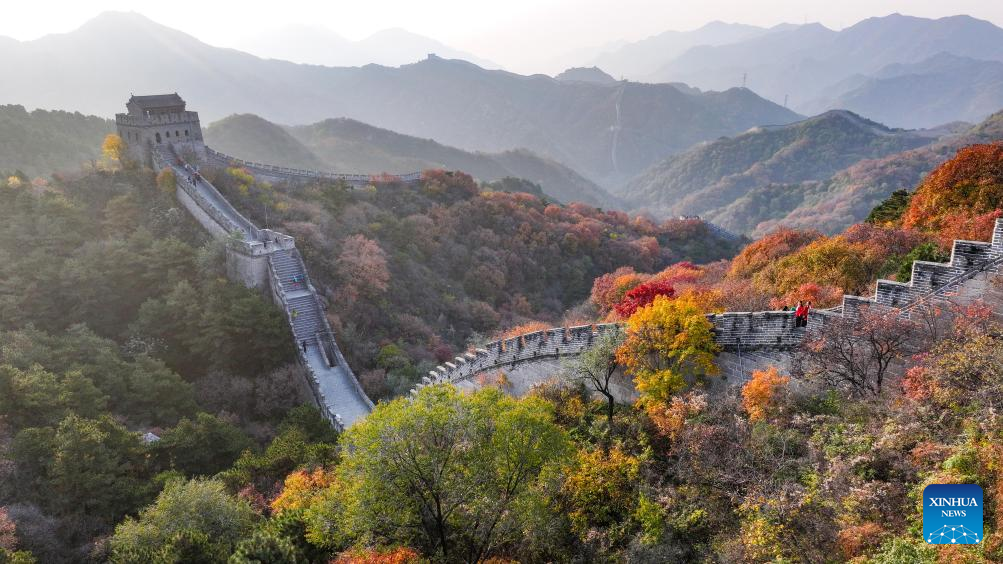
(813, 66)
(605, 132)
(824, 173)
(318, 45)
(937, 90)
(640, 59)
(348, 145)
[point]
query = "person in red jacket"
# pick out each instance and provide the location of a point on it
(799, 313)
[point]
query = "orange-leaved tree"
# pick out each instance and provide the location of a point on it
(397, 555)
(759, 254)
(301, 488)
(969, 184)
(828, 261)
(761, 394)
(669, 343)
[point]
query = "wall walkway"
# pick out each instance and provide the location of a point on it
(262, 256)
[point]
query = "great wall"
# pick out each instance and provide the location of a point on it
(269, 260)
(748, 340)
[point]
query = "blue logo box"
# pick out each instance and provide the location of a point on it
(952, 514)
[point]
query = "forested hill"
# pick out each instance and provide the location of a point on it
(710, 178)
(848, 196)
(41, 142)
(116, 319)
(346, 145)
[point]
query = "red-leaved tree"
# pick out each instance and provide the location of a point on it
(8, 538)
(643, 295)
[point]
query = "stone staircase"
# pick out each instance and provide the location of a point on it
(332, 382)
(304, 309)
(931, 282)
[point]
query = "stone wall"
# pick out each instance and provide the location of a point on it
(272, 173)
(249, 255)
(749, 340)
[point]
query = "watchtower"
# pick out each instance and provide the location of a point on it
(160, 119)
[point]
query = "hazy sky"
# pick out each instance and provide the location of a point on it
(518, 34)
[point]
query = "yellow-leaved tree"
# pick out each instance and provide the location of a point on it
(112, 152)
(669, 343)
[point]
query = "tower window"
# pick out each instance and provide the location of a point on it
(186, 133)
(158, 137)
(176, 134)
(168, 133)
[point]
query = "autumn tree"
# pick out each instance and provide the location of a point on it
(453, 473)
(398, 555)
(962, 372)
(609, 289)
(761, 253)
(600, 489)
(858, 353)
(760, 394)
(829, 261)
(8, 536)
(596, 366)
(642, 295)
(971, 183)
(667, 343)
(362, 266)
(113, 152)
(301, 488)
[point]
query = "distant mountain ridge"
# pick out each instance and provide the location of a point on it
(939, 89)
(849, 195)
(640, 59)
(810, 62)
(594, 75)
(317, 45)
(345, 145)
(708, 179)
(454, 102)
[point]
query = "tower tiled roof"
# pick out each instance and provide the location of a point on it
(156, 101)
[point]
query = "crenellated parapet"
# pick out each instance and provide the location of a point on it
(555, 343)
(755, 329)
